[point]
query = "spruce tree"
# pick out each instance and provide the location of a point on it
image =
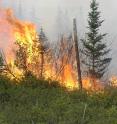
(43, 49)
(21, 58)
(42, 36)
(27, 60)
(95, 49)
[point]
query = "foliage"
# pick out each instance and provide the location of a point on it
(95, 49)
(21, 57)
(27, 56)
(42, 36)
(36, 101)
(33, 54)
(44, 52)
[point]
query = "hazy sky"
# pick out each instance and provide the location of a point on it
(46, 12)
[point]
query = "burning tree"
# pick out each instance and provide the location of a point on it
(28, 59)
(95, 49)
(32, 55)
(21, 58)
(43, 49)
(64, 64)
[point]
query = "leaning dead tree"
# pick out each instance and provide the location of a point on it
(4, 67)
(77, 53)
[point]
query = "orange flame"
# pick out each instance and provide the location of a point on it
(113, 81)
(13, 30)
(68, 79)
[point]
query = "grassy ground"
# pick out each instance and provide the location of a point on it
(38, 102)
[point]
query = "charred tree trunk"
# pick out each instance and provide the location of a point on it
(77, 53)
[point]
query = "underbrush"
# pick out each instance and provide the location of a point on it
(34, 101)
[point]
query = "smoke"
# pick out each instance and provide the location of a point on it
(11, 30)
(6, 33)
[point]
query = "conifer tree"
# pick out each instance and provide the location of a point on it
(42, 36)
(27, 60)
(21, 58)
(95, 49)
(43, 48)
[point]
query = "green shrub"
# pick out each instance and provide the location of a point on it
(35, 101)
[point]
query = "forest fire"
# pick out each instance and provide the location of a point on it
(15, 32)
(23, 52)
(24, 32)
(54, 63)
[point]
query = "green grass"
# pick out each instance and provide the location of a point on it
(45, 102)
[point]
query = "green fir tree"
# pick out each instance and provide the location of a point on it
(95, 49)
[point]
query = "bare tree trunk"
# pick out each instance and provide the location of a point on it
(42, 61)
(77, 53)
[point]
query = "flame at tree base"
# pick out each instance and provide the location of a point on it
(67, 78)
